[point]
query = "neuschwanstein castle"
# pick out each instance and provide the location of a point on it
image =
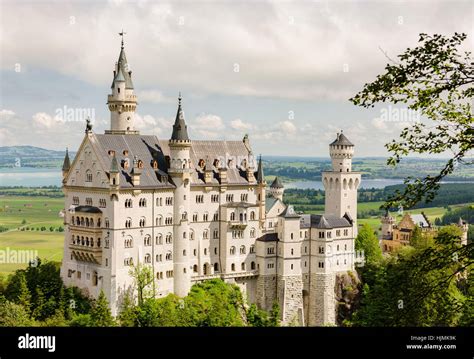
(198, 209)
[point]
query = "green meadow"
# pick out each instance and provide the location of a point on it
(26, 224)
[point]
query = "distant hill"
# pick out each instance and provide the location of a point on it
(31, 156)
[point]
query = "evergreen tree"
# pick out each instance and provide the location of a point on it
(24, 296)
(127, 316)
(100, 313)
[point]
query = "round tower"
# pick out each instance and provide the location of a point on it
(341, 183)
(341, 151)
(122, 102)
(387, 225)
(277, 189)
(180, 172)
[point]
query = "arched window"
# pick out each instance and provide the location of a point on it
(232, 250)
(159, 239)
(147, 258)
(128, 242)
(159, 221)
(147, 241)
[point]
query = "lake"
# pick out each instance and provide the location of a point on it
(35, 177)
(365, 183)
(30, 177)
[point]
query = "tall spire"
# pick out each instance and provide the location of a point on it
(122, 101)
(122, 33)
(180, 130)
(260, 176)
(67, 161)
(121, 68)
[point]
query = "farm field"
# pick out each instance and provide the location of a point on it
(19, 213)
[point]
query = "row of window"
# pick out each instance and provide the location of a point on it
(87, 241)
(86, 221)
(329, 234)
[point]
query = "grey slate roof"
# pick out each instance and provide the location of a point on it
(276, 183)
(268, 237)
(180, 130)
(289, 212)
(149, 149)
(215, 150)
(323, 221)
(146, 148)
(123, 68)
(341, 139)
(270, 202)
(420, 220)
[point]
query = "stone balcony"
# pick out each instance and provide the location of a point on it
(238, 224)
(86, 253)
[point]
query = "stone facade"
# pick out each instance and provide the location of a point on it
(196, 210)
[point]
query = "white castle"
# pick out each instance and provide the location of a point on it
(195, 210)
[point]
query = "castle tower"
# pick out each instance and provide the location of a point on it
(277, 189)
(387, 226)
(341, 183)
(261, 193)
(122, 102)
(465, 229)
(289, 276)
(180, 172)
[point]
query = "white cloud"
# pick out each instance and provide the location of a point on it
(286, 50)
(43, 120)
(149, 124)
(5, 114)
(287, 127)
(240, 125)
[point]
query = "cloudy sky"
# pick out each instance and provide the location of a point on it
(280, 71)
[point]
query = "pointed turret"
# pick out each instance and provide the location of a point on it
(114, 173)
(260, 176)
(276, 183)
(277, 189)
(66, 164)
(122, 102)
(180, 130)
